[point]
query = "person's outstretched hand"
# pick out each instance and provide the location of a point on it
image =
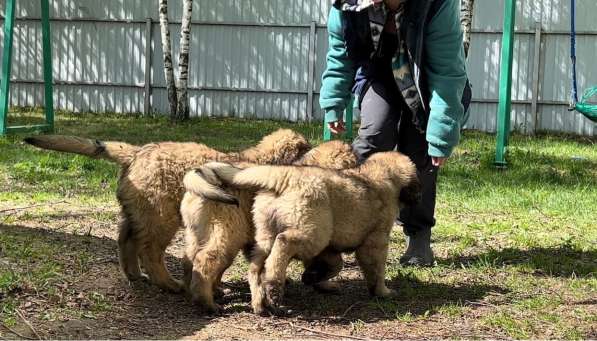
(337, 127)
(438, 161)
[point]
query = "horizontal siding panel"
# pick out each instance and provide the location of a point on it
(554, 15)
(558, 119)
(259, 58)
(483, 116)
(207, 103)
(557, 72)
(247, 11)
(484, 66)
(82, 52)
(80, 98)
(260, 71)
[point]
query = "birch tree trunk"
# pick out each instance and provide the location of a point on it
(466, 20)
(167, 53)
(183, 61)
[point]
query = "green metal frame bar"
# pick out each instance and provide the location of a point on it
(9, 22)
(47, 52)
(348, 118)
(9, 17)
(505, 101)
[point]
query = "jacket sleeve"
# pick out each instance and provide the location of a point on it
(446, 75)
(338, 77)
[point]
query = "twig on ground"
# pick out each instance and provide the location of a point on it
(107, 260)
(233, 286)
(17, 333)
(28, 323)
(6, 217)
(315, 331)
(32, 206)
(380, 308)
(541, 212)
(139, 330)
(310, 336)
(243, 328)
(482, 304)
(350, 308)
(384, 335)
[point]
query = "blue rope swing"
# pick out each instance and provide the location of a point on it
(583, 107)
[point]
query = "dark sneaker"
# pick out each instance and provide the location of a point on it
(418, 250)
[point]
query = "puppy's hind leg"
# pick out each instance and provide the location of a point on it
(254, 278)
(321, 269)
(128, 250)
(264, 240)
(195, 219)
(372, 255)
(154, 264)
(196, 216)
(209, 265)
(155, 239)
(290, 243)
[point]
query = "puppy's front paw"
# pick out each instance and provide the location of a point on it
(137, 277)
(385, 292)
(219, 292)
(327, 287)
(274, 293)
(277, 311)
(205, 302)
(175, 286)
(214, 309)
(259, 309)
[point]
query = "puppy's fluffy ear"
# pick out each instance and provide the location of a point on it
(412, 193)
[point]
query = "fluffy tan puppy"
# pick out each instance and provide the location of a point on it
(303, 211)
(150, 189)
(216, 232)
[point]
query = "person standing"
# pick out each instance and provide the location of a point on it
(404, 61)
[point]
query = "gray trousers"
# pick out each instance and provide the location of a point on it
(387, 125)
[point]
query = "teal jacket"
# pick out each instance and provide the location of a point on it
(443, 68)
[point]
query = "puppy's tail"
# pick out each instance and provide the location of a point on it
(209, 182)
(271, 178)
(118, 152)
(412, 193)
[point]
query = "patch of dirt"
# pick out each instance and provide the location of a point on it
(101, 304)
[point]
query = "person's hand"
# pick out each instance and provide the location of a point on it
(392, 4)
(337, 127)
(438, 161)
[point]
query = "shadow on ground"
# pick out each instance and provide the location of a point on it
(561, 261)
(353, 303)
(527, 169)
(140, 310)
(120, 310)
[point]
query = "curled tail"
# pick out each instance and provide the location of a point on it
(118, 152)
(412, 194)
(271, 178)
(209, 182)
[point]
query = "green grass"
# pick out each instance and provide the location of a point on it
(33, 267)
(516, 248)
(57, 175)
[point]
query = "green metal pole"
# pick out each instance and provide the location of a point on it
(327, 134)
(9, 21)
(348, 120)
(505, 101)
(47, 52)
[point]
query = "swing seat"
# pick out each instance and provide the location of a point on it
(585, 108)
